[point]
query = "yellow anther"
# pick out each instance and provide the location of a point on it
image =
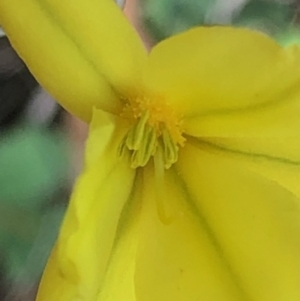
(147, 148)
(136, 134)
(154, 125)
(170, 149)
(122, 147)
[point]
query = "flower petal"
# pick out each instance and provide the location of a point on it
(284, 169)
(54, 285)
(104, 36)
(119, 281)
(214, 70)
(177, 260)
(275, 157)
(269, 134)
(90, 227)
(276, 119)
(254, 219)
(269, 131)
(54, 58)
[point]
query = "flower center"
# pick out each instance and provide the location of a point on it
(155, 128)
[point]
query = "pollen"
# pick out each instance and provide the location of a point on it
(155, 128)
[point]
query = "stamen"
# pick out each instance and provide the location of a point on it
(154, 124)
(170, 149)
(147, 148)
(135, 135)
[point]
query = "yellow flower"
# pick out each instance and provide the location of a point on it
(190, 189)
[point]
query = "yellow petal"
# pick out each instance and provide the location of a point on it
(179, 260)
(119, 281)
(279, 159)
(55, 59)
(255, 220)
(54, 285)
(270, 121)
(268, 135)
(90, 227)
(102, 33)
(215, 70)
(276, 156)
